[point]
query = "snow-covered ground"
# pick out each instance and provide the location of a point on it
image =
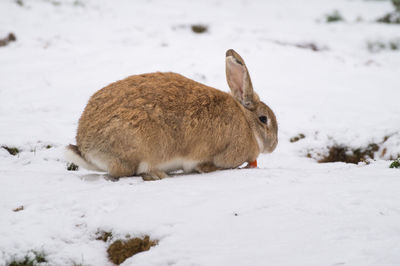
(290, 211)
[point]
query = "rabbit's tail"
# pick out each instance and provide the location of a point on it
(73, 155)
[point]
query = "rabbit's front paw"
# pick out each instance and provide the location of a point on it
(154, 175)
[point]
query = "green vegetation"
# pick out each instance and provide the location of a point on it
(35, 258)
(392, 17)
(378, 46)
(72, 167)
(335, 16)
(396, 4)
(19, 2)
(11, 150)
(395, 163)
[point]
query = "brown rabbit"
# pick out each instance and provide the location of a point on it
(155, 123)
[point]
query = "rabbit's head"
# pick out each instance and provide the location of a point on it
(261, 118)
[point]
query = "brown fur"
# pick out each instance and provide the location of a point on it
(157, 117)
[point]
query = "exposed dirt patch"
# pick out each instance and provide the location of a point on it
(297, 138)
(353, 154)
(199, 28)
(10, 38)
(340, 153)
(120, 250)
(20, 208)
(103, 235)
(11, 150)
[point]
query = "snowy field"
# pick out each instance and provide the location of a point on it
(290, 211)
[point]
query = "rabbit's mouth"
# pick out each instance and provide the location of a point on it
(271, 147)
(266, 143)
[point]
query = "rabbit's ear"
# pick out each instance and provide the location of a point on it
(239, 80)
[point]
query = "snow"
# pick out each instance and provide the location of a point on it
(290, 211)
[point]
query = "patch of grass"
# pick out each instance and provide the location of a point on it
(199, 28)
(297, 138)
(378, 46)
(19, 2)
(390, 18)
(55, 3)
(310, 46)
(103, 235)
(72, 167)
(120, 250)
(78, 3)
(303, 45)
(34, 259)
(11, 150)
(80, 264)
(396, 4)
(40, 257)
(395, 164)
(25, 262)
(339, 153)
(335, 16)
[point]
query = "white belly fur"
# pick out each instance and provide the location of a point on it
(175, 164)
(178, 164)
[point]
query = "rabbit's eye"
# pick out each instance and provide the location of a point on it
(263, 119)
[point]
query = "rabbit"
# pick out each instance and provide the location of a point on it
(152, 124)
